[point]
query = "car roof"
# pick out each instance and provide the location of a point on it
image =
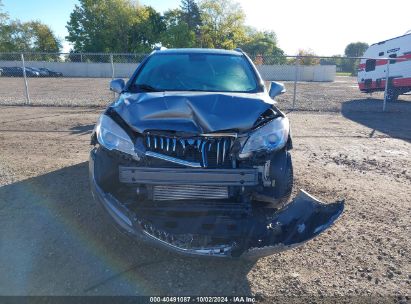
(198, 51)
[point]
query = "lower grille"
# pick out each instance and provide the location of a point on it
(186, 192)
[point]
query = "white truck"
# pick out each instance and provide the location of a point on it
(372, 71)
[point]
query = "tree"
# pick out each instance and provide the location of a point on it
(4, 17)
(263, 45)
(308, 57)
(222, 24)
(114, 26)
(178, 34)
(356, 49)
(42, 38)
(33, 36)
(101, 25)
(146, 30)
(190, 14)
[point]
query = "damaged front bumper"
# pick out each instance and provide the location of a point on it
(257, 235)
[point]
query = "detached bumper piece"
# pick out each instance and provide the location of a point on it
(300, 221)
(219, 228)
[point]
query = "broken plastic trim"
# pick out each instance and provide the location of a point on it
(300, 221)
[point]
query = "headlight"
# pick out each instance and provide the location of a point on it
(273, 136)
(111, 136)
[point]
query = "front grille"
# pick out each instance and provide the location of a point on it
(186, 192)
(208, 151)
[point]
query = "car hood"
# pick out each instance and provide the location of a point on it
(190, 112)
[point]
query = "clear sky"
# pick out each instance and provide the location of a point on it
(324, 26)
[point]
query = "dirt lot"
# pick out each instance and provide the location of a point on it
(55, 240)
(317, 96)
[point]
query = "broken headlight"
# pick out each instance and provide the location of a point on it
(270, 137)
(111, 136)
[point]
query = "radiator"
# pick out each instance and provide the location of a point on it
(186, 192)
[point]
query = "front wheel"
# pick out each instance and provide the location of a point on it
(284, 185)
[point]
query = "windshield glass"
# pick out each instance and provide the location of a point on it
(196, 72)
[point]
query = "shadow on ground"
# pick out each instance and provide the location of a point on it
(395, 122)
(55, 240)
(82, 129)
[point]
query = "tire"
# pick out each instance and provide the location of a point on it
(281, 171)
(284, 186)
(392, 94)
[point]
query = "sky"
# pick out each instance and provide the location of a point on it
(323, 26)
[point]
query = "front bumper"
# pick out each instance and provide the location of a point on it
(301, 220)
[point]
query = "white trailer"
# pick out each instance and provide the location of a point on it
(372, 72)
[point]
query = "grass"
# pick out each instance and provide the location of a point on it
(344, 74)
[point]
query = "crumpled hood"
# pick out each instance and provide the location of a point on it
(191, 112)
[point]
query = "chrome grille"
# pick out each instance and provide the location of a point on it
(208, 151)
(184, 192)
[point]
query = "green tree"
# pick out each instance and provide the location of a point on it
(146, 30)
(190, 14)
(178, 34)
(308, 57)
(42, 38)
(114, 26)
(33, 36)
(262, 47)
(356, 49)
(102, 25)
(222, 24)
(333, 60)
(4, 17)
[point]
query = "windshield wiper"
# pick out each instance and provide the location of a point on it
(146, 87)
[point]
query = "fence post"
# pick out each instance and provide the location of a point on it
(26, 87)
(112, 66)
(297, 63)
(112, 72)
(387, 76)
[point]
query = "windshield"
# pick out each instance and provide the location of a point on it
(196, 72)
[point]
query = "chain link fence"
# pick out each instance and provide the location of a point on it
(75, 79)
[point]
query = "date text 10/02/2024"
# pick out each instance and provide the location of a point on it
(198, 299)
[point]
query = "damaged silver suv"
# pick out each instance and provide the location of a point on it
(194, 156)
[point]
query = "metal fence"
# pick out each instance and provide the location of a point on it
(74, 79)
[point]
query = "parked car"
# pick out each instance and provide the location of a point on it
(37, 71)
(51, 73)
(18, 72)
(194, 156)
(12, 71)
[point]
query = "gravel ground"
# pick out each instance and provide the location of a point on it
(55, 240)
(318, 96)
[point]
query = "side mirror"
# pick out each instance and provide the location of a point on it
(276, 89)
(117, 85)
